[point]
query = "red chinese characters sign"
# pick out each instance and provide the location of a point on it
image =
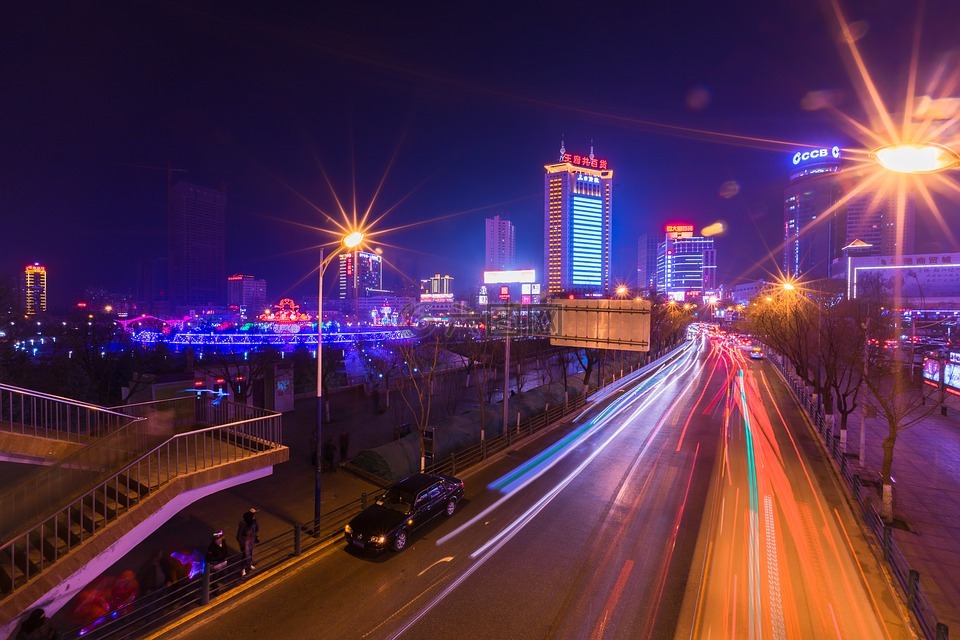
(585, 161)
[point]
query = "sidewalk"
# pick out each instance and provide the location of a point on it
(926, 472)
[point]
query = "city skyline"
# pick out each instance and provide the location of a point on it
(434, 119)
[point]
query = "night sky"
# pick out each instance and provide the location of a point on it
(435, 108)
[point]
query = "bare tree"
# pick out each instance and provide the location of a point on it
(242, 370)
(901, 401)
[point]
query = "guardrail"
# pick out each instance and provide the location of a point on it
(907, 578)
(32, 413)
(43, 540)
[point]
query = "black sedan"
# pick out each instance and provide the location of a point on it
(405, 506)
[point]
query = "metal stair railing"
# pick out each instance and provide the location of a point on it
(35, 548)
(32, 413)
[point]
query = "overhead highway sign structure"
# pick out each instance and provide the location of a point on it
(584, 323)
(602, 324)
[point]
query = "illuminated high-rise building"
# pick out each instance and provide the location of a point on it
(686, 264)
(501, 245)
(35, 288)
(197, 247)
(247, 292)
(820, 219)
(578, 206)
(359, 274)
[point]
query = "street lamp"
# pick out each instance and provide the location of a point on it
(926, 157)
(349, 241)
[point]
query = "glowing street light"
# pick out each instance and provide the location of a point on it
(350, 241)
(927, 157)
(622, 291)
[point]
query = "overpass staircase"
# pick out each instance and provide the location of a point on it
(117, 468)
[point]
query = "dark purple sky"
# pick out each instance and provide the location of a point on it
(458, 104)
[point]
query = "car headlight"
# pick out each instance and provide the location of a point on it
(347, 530)
(380, 539)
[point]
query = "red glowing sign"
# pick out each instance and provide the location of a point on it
(679, 228)
(349, 264)
(504, 293)
(585, 161)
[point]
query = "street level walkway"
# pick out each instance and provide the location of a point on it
(926, 473)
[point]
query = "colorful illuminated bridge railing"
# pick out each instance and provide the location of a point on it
(275, 339)
(56, 511)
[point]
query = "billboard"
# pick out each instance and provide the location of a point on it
(602, 324)
(510, 277)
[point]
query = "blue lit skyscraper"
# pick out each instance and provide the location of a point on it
(578, 202)
(686, 264)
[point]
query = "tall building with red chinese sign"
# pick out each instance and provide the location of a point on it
(35, 288)
(577, 217)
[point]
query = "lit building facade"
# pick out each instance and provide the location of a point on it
(686, 264)
(34, 289)
(197, 247)
(578, 206)
(437, 284)
(360, 273)
(246, 293)
(518, 286)
(501, 244)
(923, 279)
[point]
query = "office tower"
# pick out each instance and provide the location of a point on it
(359, 274)
(873, 220)
(578, 205)
(501, 246)
(197, 245)
(686, 264)
(247, 293)
(814, 221)
(35, 289)
(646, 263)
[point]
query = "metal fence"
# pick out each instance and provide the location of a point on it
(907, 578)
(73, 501)
(43, 415)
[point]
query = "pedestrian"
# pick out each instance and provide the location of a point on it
(344, 444)
(153, 576)
(37, 627)
(248, 535)
(218, 555)
(329, 455)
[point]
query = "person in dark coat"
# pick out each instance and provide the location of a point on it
(329, 452)
(248, 535)
(37, 627)
(218, 555)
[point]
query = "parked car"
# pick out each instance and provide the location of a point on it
(403, 508)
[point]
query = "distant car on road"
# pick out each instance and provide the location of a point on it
(404, 507)
(756, 354)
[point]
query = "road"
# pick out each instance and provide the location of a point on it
(627, 522)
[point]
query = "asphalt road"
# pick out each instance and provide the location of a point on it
(642, 518)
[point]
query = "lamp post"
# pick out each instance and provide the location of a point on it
(349, 241)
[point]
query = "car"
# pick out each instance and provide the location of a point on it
(756, 354)
(401, 509)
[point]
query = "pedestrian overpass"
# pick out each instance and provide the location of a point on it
(97, 481)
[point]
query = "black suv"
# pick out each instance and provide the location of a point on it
(402, 508)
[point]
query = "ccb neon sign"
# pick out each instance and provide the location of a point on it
(816, 154)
